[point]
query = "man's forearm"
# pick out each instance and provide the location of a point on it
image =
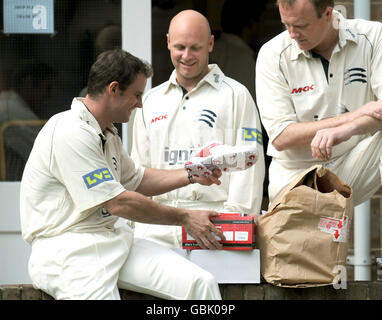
(325, 139)
(157, 181)
(366, 124)
(365, 119)
(300, 135)
(134, 206)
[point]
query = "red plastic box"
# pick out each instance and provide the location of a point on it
(238, 229)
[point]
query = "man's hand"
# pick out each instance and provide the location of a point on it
(368, 120)
(209, 180)
(200, 227)
(325, 139)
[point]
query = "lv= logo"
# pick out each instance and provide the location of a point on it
(96, 177)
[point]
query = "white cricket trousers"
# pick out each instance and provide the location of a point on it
(171, 236)
(360, 168)
(91, 266)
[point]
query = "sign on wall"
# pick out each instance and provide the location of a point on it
(29, 16)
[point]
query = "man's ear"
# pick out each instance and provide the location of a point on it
(112, 87)
(168, 41)
(328, 13)
(211, 43)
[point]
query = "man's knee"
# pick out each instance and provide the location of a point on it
(205, 287)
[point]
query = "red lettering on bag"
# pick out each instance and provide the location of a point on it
(304, 89)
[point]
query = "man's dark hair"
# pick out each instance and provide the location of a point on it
(319, 5)
(115, 65)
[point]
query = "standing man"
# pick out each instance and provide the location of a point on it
(317, 87)
(78, 180)
(196, 105)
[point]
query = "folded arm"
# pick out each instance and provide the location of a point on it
(322, 135)
(325, 139)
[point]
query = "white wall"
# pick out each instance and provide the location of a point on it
(136, 39)
(14, 251)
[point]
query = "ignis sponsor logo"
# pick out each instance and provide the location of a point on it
(303, 89)
(173, 157)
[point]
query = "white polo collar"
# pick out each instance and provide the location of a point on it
(214, 78)
(84, 114)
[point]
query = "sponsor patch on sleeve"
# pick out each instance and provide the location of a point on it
(252, 134)
(96, 177)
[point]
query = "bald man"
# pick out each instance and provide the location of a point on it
(198, 104)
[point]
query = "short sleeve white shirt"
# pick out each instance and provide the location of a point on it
(71, 173)
(292, 87)
(173, 124)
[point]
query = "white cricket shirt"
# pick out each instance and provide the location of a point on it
(69, 174)
(173, 124)
(291, 85)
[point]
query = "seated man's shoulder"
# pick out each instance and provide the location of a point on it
(67, 126)
(157, 90)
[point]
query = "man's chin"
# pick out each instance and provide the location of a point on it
(304, 46)
(124, 120)
(187, 74)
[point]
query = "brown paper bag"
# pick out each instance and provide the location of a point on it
(303, 237)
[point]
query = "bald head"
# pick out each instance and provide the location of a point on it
(190, 20)
(190, 42)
